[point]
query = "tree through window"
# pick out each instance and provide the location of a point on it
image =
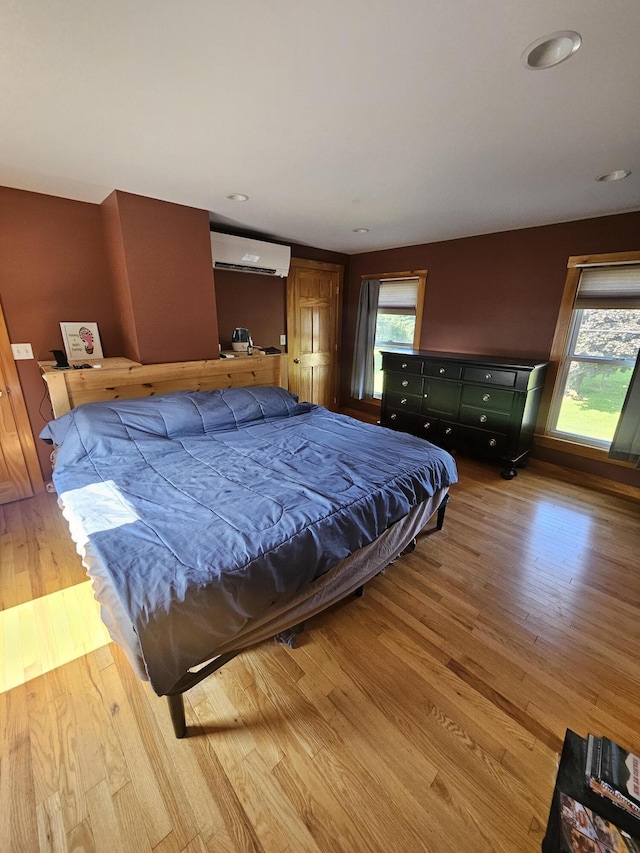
(601, 352)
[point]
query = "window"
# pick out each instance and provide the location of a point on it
(396, 319)
(602, 343)
(389, 315)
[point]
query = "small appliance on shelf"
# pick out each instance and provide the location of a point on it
(241, 340)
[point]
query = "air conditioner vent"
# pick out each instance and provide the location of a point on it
(220, 265)
(242, 254)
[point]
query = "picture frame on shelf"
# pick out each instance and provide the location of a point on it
(81, 341)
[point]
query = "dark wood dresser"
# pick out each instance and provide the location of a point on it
(482, 405)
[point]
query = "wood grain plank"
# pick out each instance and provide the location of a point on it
(424, 716)
(51, 832)
(73, 388)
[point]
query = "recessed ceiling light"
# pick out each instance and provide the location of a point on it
(238, 197)
(360, 230)
(551, 50)
(618, 175)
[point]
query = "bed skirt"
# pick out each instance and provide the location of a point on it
(339, 582)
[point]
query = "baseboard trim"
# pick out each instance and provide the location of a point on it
(582, 478)
(367, 417)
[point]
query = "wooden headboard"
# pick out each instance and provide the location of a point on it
(120, 378)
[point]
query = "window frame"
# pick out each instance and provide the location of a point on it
(421, 275)
(559, 354)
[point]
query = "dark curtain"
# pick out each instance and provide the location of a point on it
(626, 441)
(362, 371)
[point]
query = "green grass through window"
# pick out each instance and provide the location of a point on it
(594, 411)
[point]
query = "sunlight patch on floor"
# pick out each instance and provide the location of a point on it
(41, 635)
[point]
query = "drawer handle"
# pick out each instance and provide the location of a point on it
(487, 376)
(483, 419)
(404, 365)
(492, 442)
(427, 424)
(486, 397)
(403, 402)
(448, 431)
(425, 396)
(393, 417)
(405, 382)
(442, 370)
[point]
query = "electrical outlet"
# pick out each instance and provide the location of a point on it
(283, 340)
(21, 351)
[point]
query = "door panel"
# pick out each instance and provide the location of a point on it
(442, 397)
(14, 477)
(313, 310)
(15, 482)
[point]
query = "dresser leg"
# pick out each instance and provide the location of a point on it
(508, 473)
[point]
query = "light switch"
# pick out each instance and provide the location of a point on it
(283, 340)
(21, 351)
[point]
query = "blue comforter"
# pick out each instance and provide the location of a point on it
(205, 508)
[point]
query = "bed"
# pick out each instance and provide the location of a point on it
(209, 521)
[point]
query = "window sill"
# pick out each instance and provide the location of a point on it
(372, 402)
(576, 449)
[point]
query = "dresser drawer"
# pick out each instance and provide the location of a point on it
(401, 383)
(484, 418)
(427, 427)
(401, 363)
(487, 397)
(402, 420)
(409, 402)
(443, 370)
(414, 424)
(489, 376)
(485, 442)
(450, 435)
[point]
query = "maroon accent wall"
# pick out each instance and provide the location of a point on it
(309, 253)
(257, 302)
(497, 294)
(139, 267)
(169, 273)
(120, 276)
(53, 268)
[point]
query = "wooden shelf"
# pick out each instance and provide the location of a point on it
(62, 382)
(121, 378)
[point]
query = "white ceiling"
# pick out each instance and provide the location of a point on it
(413, 118)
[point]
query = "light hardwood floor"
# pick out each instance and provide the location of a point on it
(426, 716)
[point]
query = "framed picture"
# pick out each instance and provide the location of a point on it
(81, 341)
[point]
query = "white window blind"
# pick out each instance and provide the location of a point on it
(399, 296)
(613, 287)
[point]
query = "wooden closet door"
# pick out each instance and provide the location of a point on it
(15, 432)
(313, 312)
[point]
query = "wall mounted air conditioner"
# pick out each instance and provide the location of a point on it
(246, 255)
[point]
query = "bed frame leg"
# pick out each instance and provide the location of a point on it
(290, 636)
(441, 511)
(176, 709)
(410, 548)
